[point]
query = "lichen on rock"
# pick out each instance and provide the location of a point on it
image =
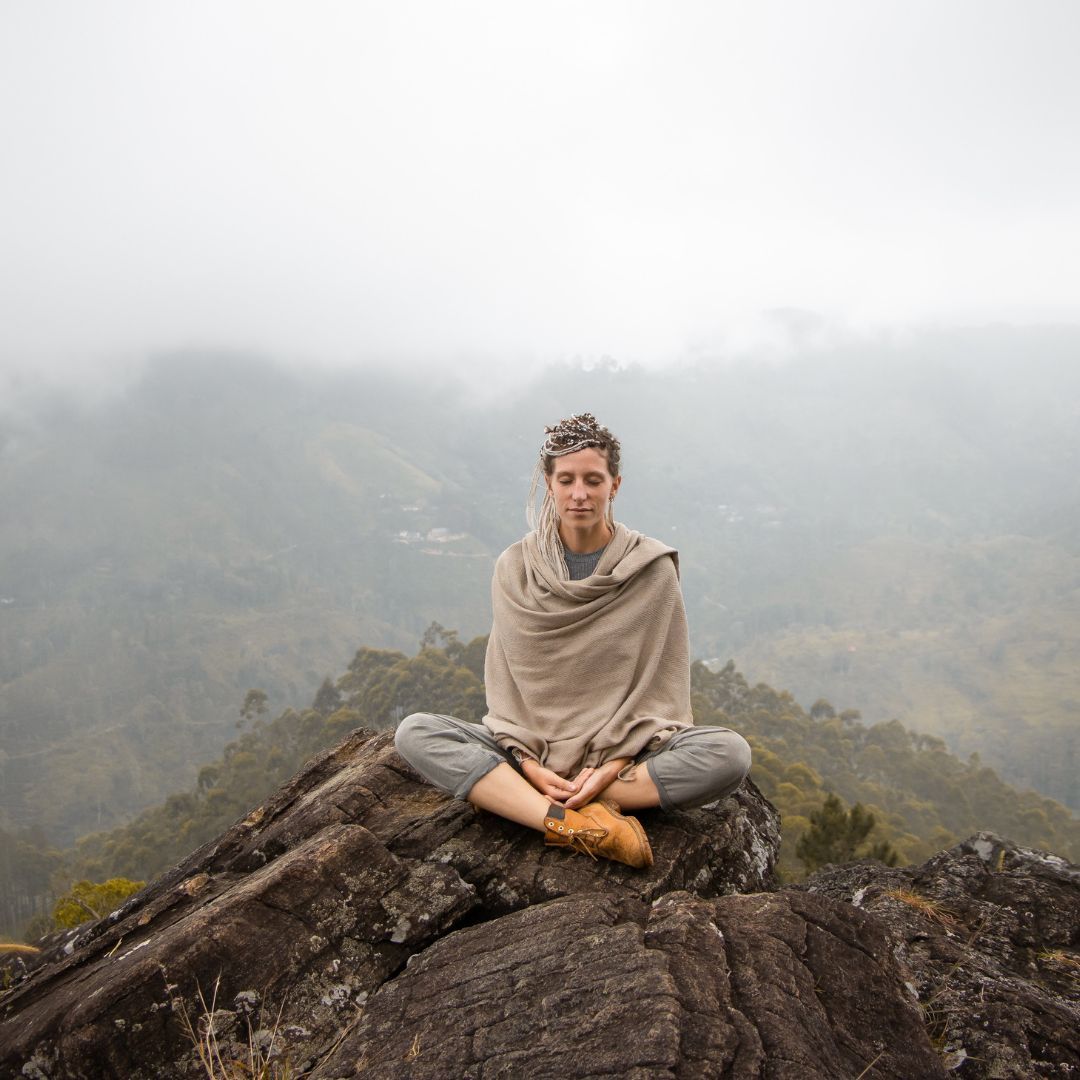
(361, 924)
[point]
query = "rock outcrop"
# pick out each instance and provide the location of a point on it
(360, 924)
(739, 986)
(987, 935)
(299, 913)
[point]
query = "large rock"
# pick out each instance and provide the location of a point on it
(361, 925)
(304, 909)
(780, 985)
(988, 937)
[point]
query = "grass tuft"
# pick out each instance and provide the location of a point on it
(1065, 963)
(931, 909)
(202, 1033)
(15, 947)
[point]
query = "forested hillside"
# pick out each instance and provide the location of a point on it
(892, 525)
(208, 532)
(922, 796)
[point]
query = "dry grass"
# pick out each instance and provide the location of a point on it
(256, 1064)
(870, 1066)
(936, 1021)
(935, 1006)
(1065, 963)
(930, 909)
(15, 947)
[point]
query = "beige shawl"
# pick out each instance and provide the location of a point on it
(580, 672)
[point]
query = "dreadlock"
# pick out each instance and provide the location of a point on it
(566, 437)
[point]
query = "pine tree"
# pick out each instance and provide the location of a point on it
(835, 834)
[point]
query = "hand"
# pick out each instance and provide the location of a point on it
(548, 783)
(594, 782)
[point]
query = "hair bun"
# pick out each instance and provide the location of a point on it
(573, 434)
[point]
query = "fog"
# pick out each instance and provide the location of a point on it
(464, 183)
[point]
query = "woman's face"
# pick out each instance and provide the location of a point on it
(581, 486)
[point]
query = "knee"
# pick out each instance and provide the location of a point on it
(729, 759)
(740, 756)
(411, 734)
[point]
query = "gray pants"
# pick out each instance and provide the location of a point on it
(694, 767)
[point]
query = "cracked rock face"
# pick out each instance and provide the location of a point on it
(987, 935)
(734, 986)
(360, 924)
(300, 913)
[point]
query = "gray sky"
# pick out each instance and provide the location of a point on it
(340, 180)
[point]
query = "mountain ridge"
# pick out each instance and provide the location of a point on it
(174, 545)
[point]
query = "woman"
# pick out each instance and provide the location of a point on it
(587, 674)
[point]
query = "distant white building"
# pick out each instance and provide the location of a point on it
(440, 535)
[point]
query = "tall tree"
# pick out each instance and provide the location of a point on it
(835, 834)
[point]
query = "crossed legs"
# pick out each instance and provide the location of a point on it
(695, 766)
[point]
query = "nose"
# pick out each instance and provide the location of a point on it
(579, 493)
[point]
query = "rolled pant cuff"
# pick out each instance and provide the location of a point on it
(475, 775)
(665, 803)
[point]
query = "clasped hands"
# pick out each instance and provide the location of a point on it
(586, 787)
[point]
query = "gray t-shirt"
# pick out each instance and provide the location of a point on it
(584, 565)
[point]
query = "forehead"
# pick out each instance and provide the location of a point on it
(581, 461)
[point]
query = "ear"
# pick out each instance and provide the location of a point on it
(615, 485)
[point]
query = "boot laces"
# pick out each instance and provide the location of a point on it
(584, 840)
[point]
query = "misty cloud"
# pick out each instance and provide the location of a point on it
(340, 181)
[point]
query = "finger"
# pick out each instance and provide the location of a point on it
(581, 778)
(546, 788)
(588, 790)
(588, 793)
(558, 790)
(567, 787)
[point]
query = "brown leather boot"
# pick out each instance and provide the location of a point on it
(599, 829)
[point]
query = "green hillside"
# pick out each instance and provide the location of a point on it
(174, 551)
(922, 796)
(977, 643)
(890, 524)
